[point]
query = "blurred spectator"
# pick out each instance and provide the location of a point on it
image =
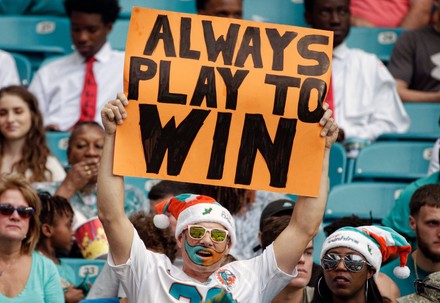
(56, 218)
(32, 7)
(415, 64)
(425, 221)
(433, 163)
(426, 290)
(297, 290)
(352, 257)
(157, 240)
(364, 95)
(23, 147)
(8, 73)
(408, 14)
(75, 87)
(398, 217)
(221, 8)
(84, 152)
(25, 275)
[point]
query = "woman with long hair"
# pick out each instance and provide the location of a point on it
(23, 148)
(351, 259)
(25, 275)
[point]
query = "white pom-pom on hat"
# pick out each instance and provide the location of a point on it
(401, 272)
(161, 221)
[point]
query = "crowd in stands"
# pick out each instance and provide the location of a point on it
(252, 245)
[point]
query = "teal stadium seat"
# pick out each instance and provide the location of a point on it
(390, 161)
(57, 142)
(376, 40)
(183, 6)
(118, 35)
(364, 199)
(338, 165)
(425, 123)
(36, 37)
(24, 68)
(84, 267)
(290, 12)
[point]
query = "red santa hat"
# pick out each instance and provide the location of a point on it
(192, 209)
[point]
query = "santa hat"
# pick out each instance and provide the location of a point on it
(375, 243)
(192, 209)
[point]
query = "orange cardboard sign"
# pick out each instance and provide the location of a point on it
(224, 102)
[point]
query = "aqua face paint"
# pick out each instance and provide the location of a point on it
(192, 251)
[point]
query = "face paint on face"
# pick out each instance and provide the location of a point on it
(210, 256)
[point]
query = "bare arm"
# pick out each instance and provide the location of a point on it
(304, 224)
(410, 95)
(118, 228)
(419, 14)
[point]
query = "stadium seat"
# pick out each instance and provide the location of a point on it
(118, 35)
(393, 161)
(425, 123)
(338, 165)
(376, 40)
(57, 142)
(183, 6)
(84, 267)
(290, 12)
(364, 199)
(24, 68)
(36, 37)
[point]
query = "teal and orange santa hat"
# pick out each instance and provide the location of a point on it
(375, 243)
(193, 209)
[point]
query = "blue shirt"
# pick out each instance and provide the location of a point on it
(43, 285)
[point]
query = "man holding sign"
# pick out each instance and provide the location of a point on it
(205, 231)
(195, 115)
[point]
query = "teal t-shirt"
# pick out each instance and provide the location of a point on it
(43, 285)
(398, 218)
(406, 286)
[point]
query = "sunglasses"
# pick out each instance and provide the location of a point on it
(197, 232)
(427, 291)
(352, 262)
(24, 212)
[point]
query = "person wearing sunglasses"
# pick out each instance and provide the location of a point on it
(351, 258)
(427, 290)
(25, 275)
(205, 231)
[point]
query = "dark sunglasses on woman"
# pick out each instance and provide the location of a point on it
(24, 212)
(352, 262)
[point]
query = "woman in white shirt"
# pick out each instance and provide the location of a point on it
(23, 147)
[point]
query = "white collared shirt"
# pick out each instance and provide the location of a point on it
(8, 70)
(365, 96)
(59, 84)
